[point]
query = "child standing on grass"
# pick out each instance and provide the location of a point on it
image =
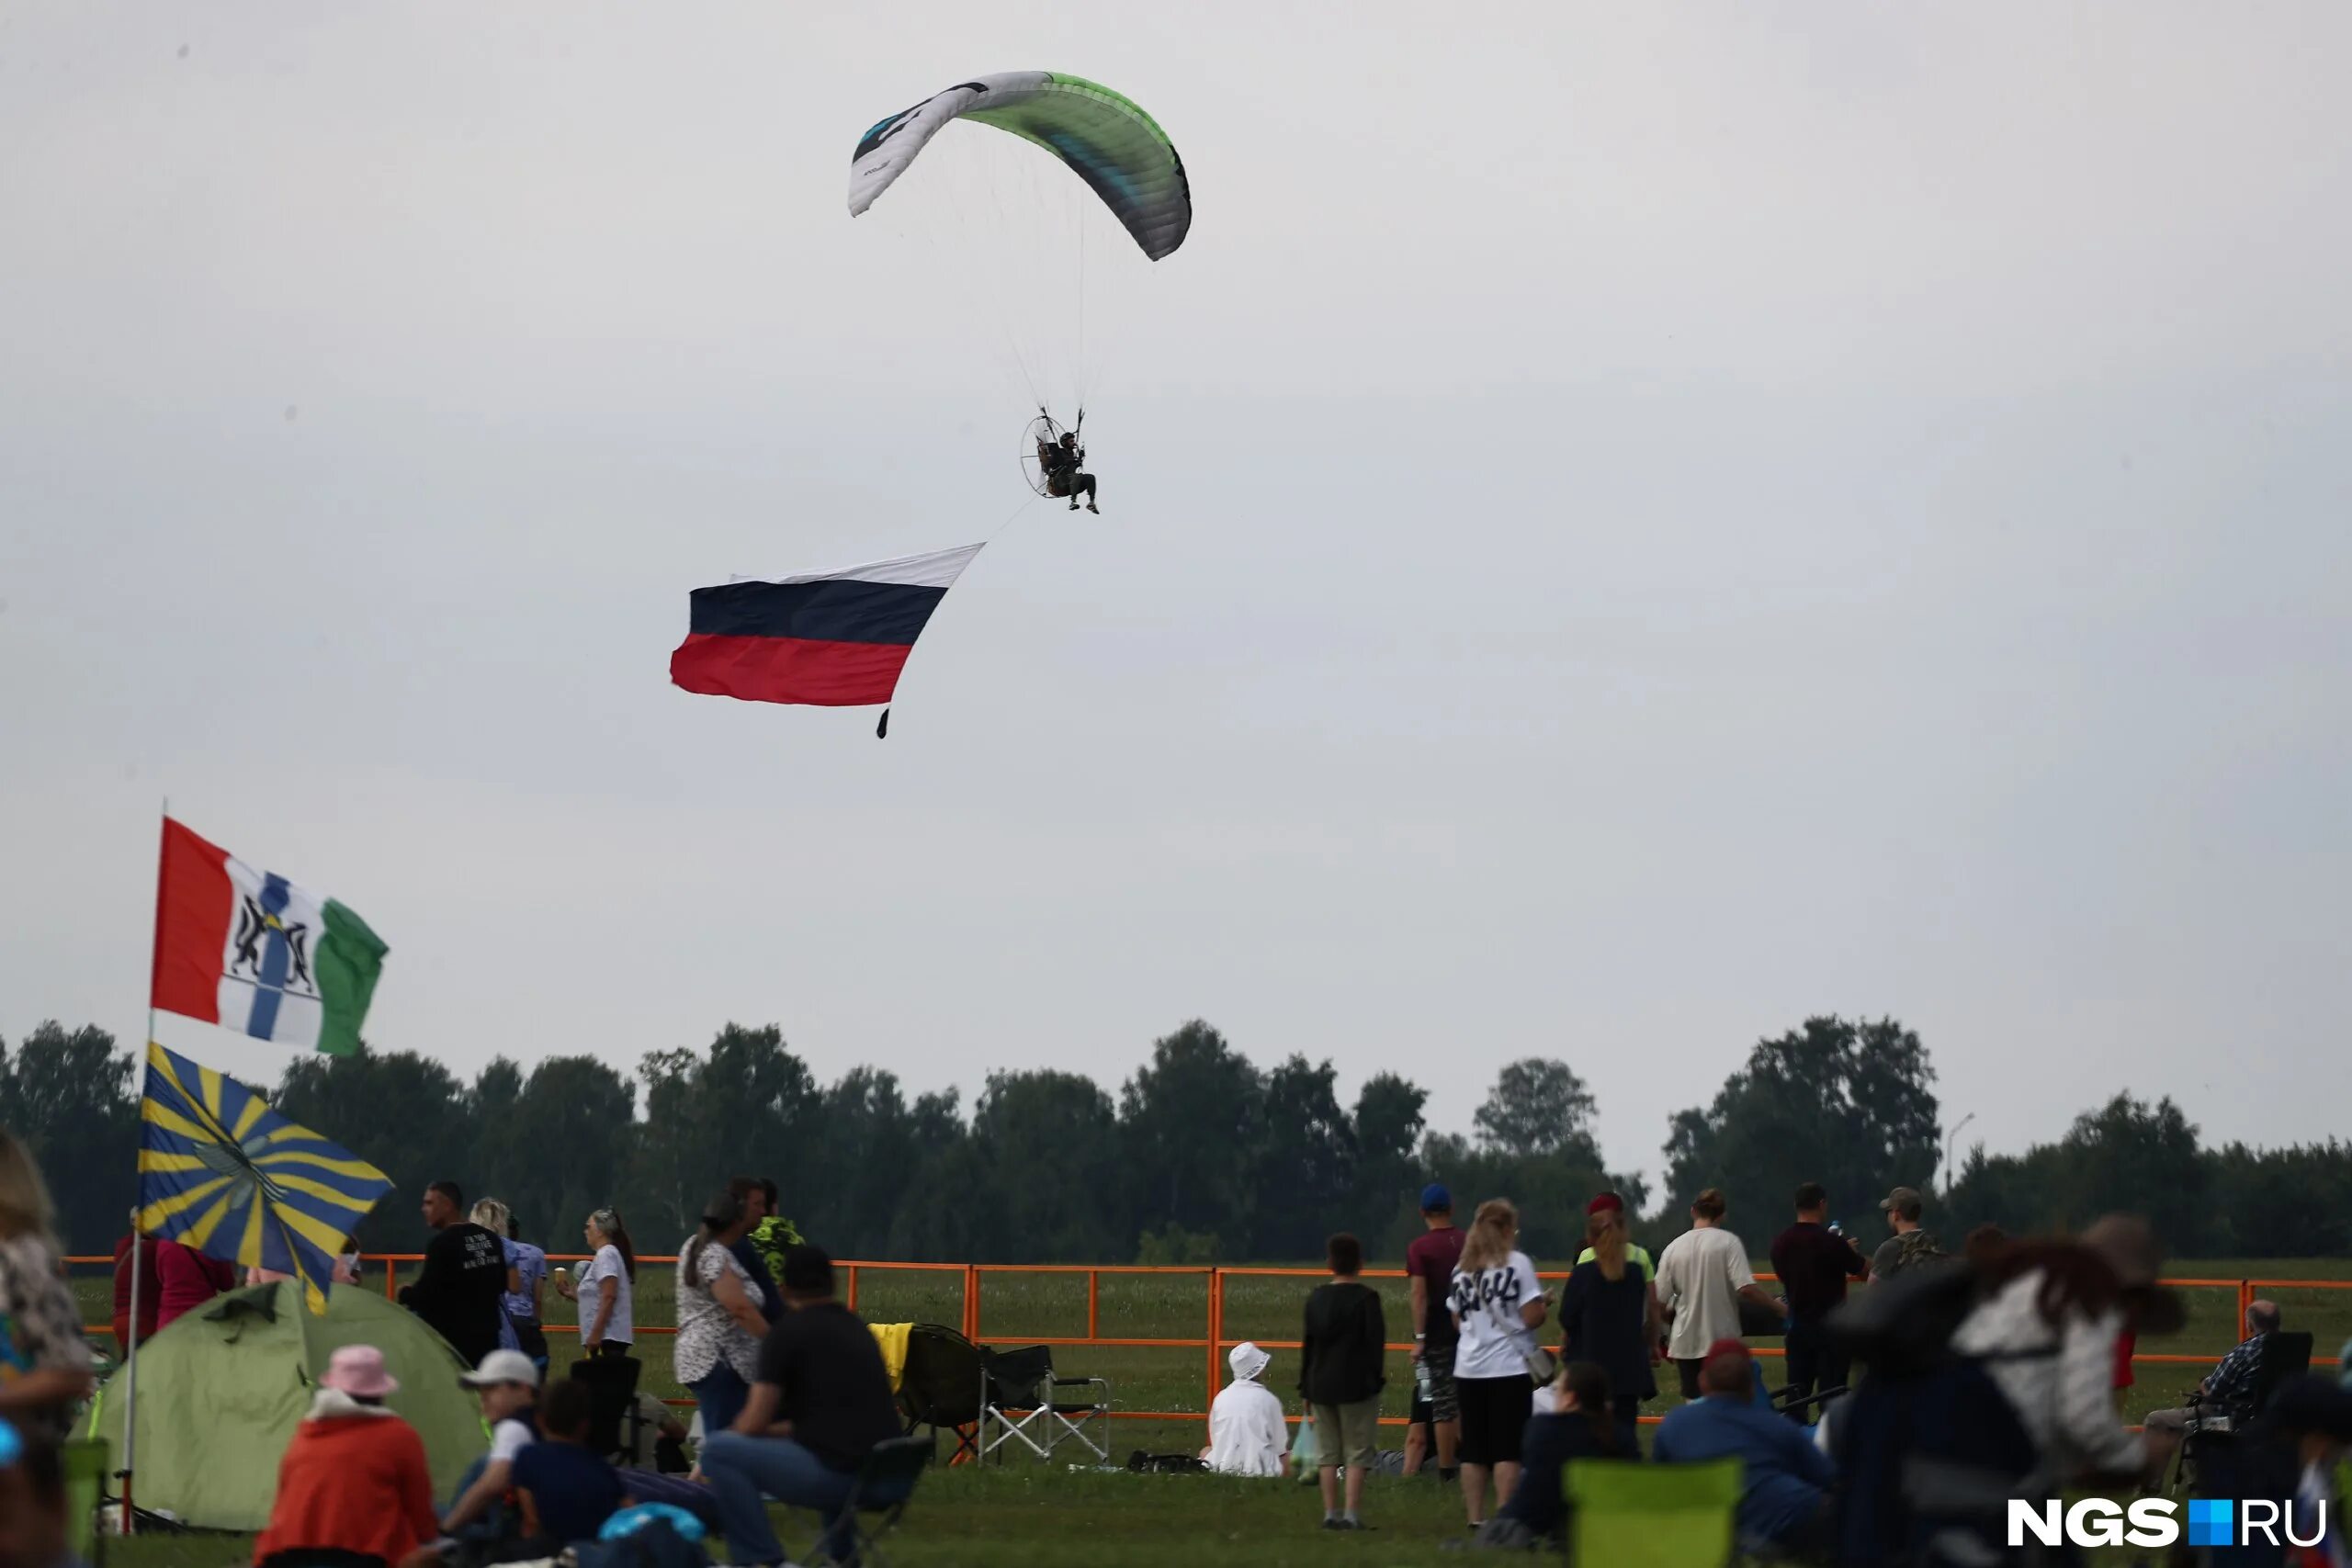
(1340, 1374)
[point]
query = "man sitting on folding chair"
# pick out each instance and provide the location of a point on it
(2228, 1394)
(820, 1406)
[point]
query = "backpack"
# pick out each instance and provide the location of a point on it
(1918, 1247)
(654, 1544)
(1142, 1464)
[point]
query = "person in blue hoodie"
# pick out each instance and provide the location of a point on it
(1784, 1501)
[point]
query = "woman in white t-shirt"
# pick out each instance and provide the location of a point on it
(606, 1288)
(1497, 1306)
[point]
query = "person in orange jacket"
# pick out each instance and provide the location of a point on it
(355, 1477)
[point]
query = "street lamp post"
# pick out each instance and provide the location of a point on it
(1945, 1168)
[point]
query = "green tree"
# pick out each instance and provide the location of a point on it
(1304, 1172)
(1538, 1107)
(1549, 1189)
(73, 1100)
(405, 1114)
(1849, 1105)
(669, 1155)
(574, 1126)
(757, 1103)
(2291, 1202)
(1388, 1122)
(867, 1153)
(2130, 1156)
(502, 1167)
(1049, 1144)
(1190, 1117)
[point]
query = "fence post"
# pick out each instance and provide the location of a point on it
(852, 1287)
(392, 1280)
(2246, 1300)
(1217, 1327)
(1094, 1304)
(972, 1303)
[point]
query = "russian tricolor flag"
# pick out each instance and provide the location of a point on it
(832, 638)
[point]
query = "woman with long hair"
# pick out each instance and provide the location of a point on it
(1583, 1424)
(492, 1215)
(1496, 1306)
(2048, 1314)
(606, 1288)
(44, 1360)
(719, 1321)
(527, 1275)
(1605, 1312)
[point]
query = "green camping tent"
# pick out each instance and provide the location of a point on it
(223, 1389)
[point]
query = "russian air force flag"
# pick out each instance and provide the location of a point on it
(830, 638)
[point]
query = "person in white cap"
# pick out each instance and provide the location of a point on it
(1246, 1435)
(508, 1382)
(354, 1481)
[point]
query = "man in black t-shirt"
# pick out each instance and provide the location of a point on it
(821, 1402)
(459, 1292)
(1814, 1263)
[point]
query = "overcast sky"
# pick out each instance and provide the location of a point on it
(1623, 526)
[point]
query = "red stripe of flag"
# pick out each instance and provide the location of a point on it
(788, 669)
(193, 902)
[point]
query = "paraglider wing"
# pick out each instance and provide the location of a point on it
(1109, 141)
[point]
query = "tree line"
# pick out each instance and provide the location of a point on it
(1199, 1156)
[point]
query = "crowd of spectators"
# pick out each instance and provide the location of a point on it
(2033, 1336)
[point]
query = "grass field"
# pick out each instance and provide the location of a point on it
(1036, 1519)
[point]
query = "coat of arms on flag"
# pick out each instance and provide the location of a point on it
(221, 1171)
(252, 951)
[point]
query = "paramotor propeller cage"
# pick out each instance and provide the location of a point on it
(1043, 431)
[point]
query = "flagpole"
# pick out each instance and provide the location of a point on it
(131, 1357)
(130, 1375)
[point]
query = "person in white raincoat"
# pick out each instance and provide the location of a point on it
(1246, 1435)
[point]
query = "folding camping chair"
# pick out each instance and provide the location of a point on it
(1625, 1514)
(611, 1381)
(885, 1486)
(940, 1388)
(1019, 1401)
(2285, 1358)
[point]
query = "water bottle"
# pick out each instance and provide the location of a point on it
(1422, 1378)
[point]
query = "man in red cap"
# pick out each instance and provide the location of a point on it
(1784, 1496)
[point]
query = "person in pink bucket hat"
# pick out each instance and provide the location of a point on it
(355, 1478)
(358, 1370)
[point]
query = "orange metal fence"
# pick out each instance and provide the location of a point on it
(1213, 1341)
